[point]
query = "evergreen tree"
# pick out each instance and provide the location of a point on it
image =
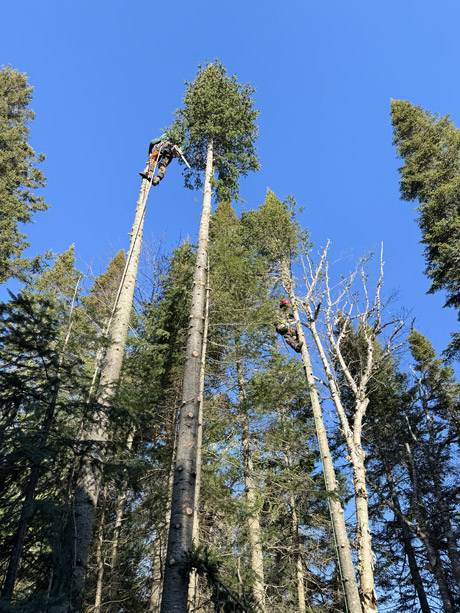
(280, 238)
(412, 453)
(216, 127)
(430, 147)
(41, 382)
(19, 176)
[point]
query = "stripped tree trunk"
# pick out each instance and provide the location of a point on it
(337, 516)
(193, 583)
(89, 478)
(250, 488)
(29, 495)
(175, 586)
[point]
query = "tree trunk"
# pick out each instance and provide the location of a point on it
(193, 582)
(250, 486)
(161, 544)
(175, 586)
(337, 518)
(423, 534)
(408, 548)
(121, 502)
(356, 457)
(99, 556)
(295, 537)
(89, 478)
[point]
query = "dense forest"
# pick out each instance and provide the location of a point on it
(242, 427)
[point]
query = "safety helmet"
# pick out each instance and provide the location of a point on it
(284, 303)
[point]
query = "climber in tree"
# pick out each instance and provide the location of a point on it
(161, 152)
(285, 327)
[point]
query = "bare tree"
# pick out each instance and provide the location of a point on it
(97, 433)
(337, 515)
(334, 315)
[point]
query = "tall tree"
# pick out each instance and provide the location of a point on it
(97, 432)
(19, 176)
(281, 239)
(430, 147)
(217, 128)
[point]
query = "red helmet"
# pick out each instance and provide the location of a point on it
(284, 302)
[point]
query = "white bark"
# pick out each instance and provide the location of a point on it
(337, 516)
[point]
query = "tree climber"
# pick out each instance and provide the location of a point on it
(161, 152)
(284, 326)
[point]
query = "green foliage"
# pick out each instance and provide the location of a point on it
(19, 176)
(430, 147)
(274, 229)
(219, 109)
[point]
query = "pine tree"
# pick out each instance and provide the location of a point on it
(430, 147)
(19, 176)
(216, 127)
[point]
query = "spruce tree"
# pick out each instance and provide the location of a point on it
(19, 176)
(430, 147)
(281, 239)
(217, 130)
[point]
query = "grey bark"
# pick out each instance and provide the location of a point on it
(90, 474)
(161, 542)
(99, 556)
(250, 488)
(175, 586)
(337, 517)
(193, 582)
(298, 556)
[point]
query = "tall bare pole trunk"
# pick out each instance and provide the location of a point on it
(89, 478)
(193, 582)
(175, 586)
(337, 517)
(29, 495)
(250, 488)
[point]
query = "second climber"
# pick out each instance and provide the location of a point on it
(285, 326)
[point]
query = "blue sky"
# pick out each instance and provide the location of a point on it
(108, 76)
